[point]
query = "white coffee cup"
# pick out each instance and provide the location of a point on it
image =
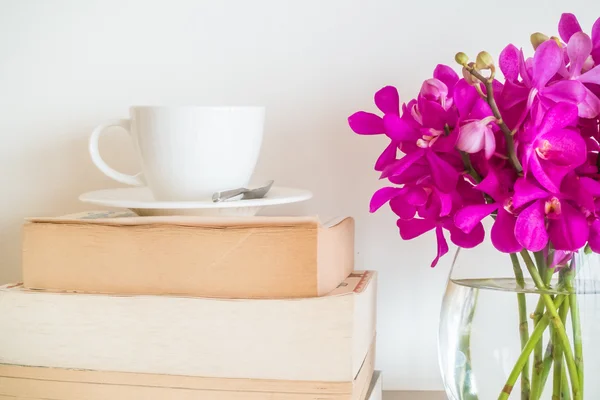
(188, 153)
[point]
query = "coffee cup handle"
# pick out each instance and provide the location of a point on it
(133, 180)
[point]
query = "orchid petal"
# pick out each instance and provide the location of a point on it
(590, 106)
(592, 186)
(513, 94)
(570, 231)
(382, 196)
(473, 137)
(467, 240)
(465, 97)
(523, 70)
(591, 76)
(596, 41)
(416, 195)
(433, 114)
(559, 116)
(564, 147)
(447, 75)
(546, 62)
(415, 227)
(366, 123)
(387, 100)
(568, 26)
(526, 192)
(398, 129)
(444, 175)
(481, 109)
(401, 165)
(445, 203)
(402, 209)
(530, 228)
(578, 49)
(564, 91)
(489, 146)
(416, 172)
(503, 233)
(491, 185)
(596, 33)
(434, 89)
(509, 62)
(468, 217)
(387, 156)
(442, 246)
(551, 184)
(594, 239)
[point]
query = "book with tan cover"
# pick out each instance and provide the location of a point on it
(310, 339)
(249, 257)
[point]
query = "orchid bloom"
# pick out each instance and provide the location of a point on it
(366, 123)
(556, 147)
(537, 90)
(524, 150)
(547, 217)
(477, 131)
(502, 233)
(568, 26)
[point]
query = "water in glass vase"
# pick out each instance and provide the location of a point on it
(485, 323)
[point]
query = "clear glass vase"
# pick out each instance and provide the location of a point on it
(500, 334)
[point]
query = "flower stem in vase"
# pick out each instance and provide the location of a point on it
(576, 323)
(556, 323)
(541, 366)
(523, 325)
(557, 388)
(536, 335)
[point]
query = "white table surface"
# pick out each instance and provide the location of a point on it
(387, 395)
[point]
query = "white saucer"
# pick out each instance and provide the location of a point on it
(141, 201)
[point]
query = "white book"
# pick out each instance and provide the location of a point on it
(31, 383)
(311, 339)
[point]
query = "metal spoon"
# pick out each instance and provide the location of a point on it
(257, 193)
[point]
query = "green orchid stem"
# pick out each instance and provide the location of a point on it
(508, 135)
(547, 363)
(469, 167)
(523, 326)
(536, 336)
(556, 323)
(541, 367)
(576, 323)
(557, 383)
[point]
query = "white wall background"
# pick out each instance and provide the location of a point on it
(67, 65)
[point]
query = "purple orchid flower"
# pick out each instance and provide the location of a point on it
(537, 89)
(569, 25)
(547, 217)
(581, 68)
(555, 148)
(476, 132)
(387, 101)
(422, 208)
(422, 133)
(436, 215)
(502, 233)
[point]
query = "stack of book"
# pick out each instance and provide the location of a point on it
(115, 306)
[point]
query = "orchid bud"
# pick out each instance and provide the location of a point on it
(537, 39)
(461, 58)
(484, 61)
(469, 78)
